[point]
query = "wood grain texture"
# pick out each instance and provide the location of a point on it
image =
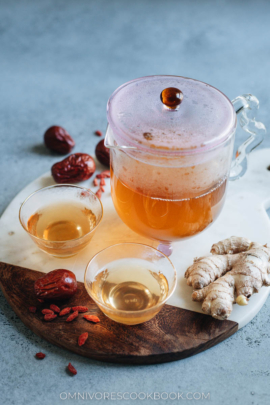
(173, 334)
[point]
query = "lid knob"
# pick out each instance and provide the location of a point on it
(171, 97)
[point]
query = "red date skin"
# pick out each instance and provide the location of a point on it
(103, 153)
(56, 285)
(75, 168)
(58, 140)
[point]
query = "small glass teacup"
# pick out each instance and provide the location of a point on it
(61, 219)
(130, 282)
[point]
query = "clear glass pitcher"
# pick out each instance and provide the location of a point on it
(171, 140)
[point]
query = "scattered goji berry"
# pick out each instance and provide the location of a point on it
(95, 182)
(40, 300)
(65, 311)
(102, 182)
(102, 189)
(72, 316)
(72, 369)
(55, 308)
(80, 308)
(103, 175)
(32, 309)
(99, 193)
(40, 356)
(47, 311)
(49, 317)
(82, 339)
(92, 318)
(98, 133)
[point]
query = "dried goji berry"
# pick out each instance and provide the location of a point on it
(102, 189)
(99, 193)
(49, 317)
(32, 309)
(40, 300)
(65, 311)
(102, 182)
(47, 311)
(98, 133)
(80, 308)
(72, 316)
(82, 339)
(103, 175)
(72, 369)
(55, 308)
(92, 318)
(95, 182)
(40, 356)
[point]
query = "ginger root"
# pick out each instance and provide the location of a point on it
(207, 269)
(234, 244)
(246, 272)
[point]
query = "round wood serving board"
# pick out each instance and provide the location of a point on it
(173, 334)
(180, 330)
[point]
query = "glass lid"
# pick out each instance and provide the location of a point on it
(170, 114)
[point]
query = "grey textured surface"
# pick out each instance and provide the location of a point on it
(60, 61)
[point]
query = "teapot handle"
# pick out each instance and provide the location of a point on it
(246, 107)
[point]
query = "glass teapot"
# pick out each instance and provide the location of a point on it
(171, 143)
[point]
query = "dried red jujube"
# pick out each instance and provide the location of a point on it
(56, 285)
(73, 169)
(58, 140)
(103, 153)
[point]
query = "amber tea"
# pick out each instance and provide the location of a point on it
(62, 222)
(130, 285)
(166, 218)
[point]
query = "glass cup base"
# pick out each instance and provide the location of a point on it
(165, 248)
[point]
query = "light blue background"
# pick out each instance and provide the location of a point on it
(59, 63)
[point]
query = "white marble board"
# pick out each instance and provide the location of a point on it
(244, 214)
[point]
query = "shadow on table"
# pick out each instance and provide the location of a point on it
(40, 149)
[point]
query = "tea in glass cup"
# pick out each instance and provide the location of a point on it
(61, 219)
(130, 282)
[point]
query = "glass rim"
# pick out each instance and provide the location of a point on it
(55, 186)
(121, 311)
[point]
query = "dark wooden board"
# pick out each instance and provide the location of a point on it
(173, 334)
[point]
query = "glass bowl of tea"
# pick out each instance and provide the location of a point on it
(61, 219)
(130, 282)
